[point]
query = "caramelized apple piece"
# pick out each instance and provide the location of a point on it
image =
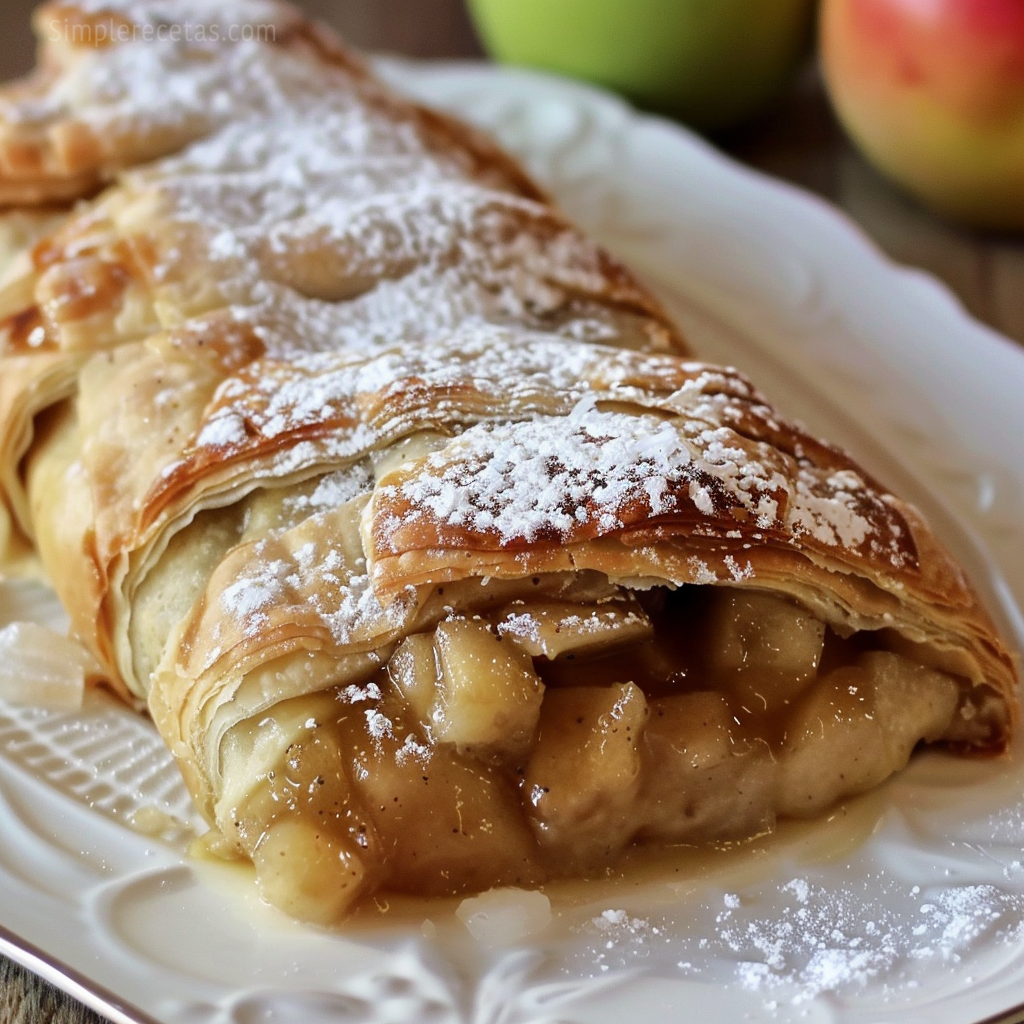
(857, 727)
(762, 648)
(308, 872)
(584, 774)
(447, 824)
(587, 587)
(700, 780)
(488, 696)
(414, 671)
(310, 839)
(554, 628)
(834, 747)
(908, 692)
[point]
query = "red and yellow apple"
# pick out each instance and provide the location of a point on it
(932, 91)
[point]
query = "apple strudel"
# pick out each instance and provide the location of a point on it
(436, 558)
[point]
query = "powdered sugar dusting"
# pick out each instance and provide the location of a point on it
(314, 581)
(547, 477)
(832, 518)
(800, 940)
(331, 220)
(249, 597)
(825, 941)
(597, 472)
(333, 489)
(357, 400)
(523, 625)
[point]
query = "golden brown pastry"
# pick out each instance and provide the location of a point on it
(437, 562)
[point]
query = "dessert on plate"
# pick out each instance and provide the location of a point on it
(438, 560)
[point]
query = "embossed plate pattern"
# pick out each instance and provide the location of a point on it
(906, 906)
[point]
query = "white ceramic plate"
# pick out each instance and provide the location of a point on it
(906, 906)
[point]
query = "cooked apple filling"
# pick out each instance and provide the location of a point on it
(540, 739)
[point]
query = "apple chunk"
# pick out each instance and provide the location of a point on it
(414, 671)
(445, 823)
(288, 804)
(701, 782)
(308, 872)
(761, 647)
(488, 695)
(858, 726)
(901, 686)
(584, 775)
(555, 628)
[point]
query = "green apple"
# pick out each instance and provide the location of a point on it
(710, 62)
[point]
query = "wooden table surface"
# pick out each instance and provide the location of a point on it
(799, 141)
